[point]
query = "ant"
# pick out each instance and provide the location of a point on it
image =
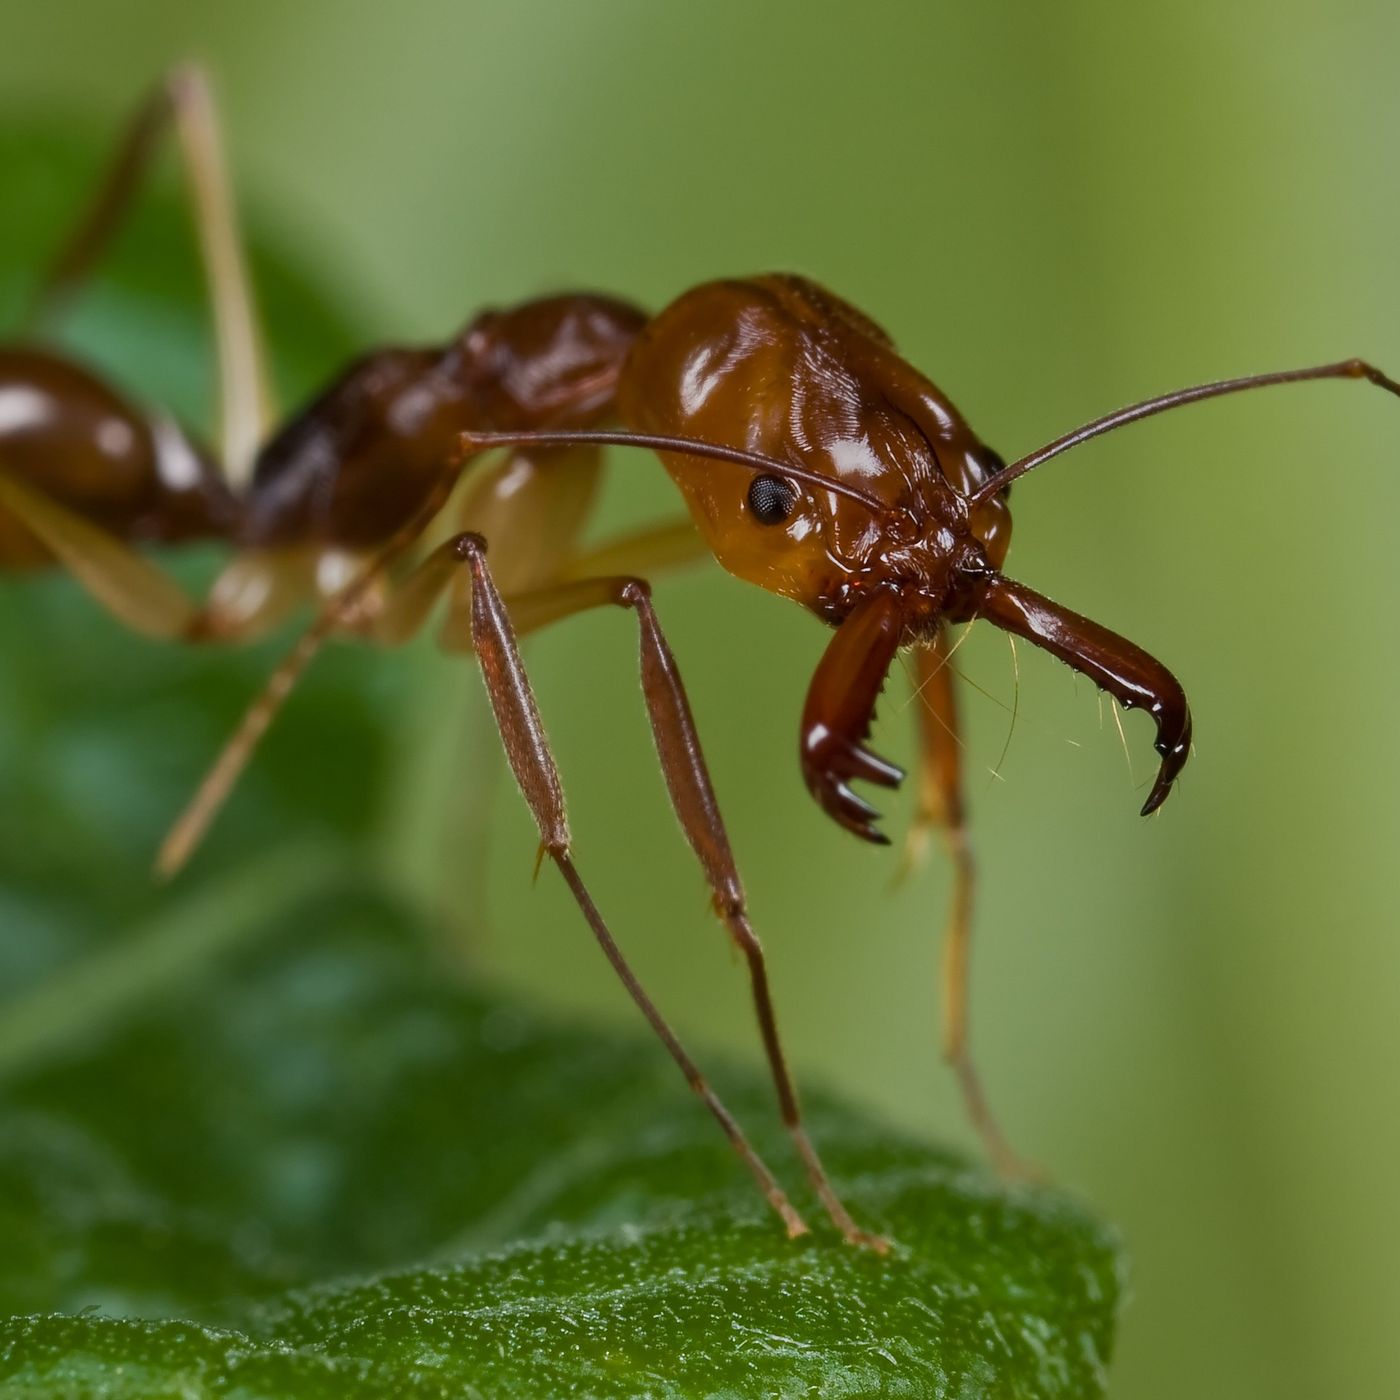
(815, 463)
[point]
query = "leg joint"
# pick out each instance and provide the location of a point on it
(634, 592)
(1357, 368)
(467, 546)
(736, 919)
(554, 843)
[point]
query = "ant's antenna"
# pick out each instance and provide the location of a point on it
(1343, 369)
(476, 442)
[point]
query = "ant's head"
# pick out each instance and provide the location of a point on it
(874, 532)
(780, 367)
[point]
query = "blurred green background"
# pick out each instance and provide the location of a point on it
(1056, 210)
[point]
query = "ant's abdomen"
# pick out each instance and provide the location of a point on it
(69, 435)
(364, 457)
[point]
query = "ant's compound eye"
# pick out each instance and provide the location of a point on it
(771, 499)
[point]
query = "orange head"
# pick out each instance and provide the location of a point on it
(778, 366)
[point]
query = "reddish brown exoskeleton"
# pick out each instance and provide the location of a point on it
(815, 462)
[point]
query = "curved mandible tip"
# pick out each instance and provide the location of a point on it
(839, 708)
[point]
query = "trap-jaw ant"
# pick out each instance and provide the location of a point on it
(814, 461)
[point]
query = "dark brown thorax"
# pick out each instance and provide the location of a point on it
(358, 461)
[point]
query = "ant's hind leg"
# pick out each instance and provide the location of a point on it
(252, 594)
(550, 491)
(137, 593)
(182, 100)
(941, 807)
(373, 607)
(693, 798)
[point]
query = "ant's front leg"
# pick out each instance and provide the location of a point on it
(942, 807)
(489, 634)
(528, 751)
(1132, 677)
(182, 101)
(693, 798)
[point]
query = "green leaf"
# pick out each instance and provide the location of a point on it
(312, 1158)
(257, 1139)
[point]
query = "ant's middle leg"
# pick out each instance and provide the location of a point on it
(941, 807)
(182, 101)
(650, 552)
(693, 798)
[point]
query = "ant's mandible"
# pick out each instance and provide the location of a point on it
(815, 462)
